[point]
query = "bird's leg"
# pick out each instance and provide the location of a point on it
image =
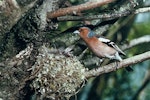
(101, 61)
(116, 64)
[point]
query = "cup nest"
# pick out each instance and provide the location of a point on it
(56, 76)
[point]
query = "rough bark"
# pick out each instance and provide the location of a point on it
(25, 22)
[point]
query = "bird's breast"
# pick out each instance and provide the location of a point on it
(100, 49)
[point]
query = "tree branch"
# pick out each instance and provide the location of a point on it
(104, 16)
(134, 42)
(125, 63)
(78, 8)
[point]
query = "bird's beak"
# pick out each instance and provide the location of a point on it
(76, 32)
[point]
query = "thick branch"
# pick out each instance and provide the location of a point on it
(125, 63)
(78, 8)
(105, 16)
(134, 42)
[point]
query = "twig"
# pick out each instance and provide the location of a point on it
(78, 8)
(134, 42)
(125, 63)
(82, 54)
(142, 10)
(104, 16)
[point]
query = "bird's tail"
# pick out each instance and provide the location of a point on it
(129, 69)
(117, 57)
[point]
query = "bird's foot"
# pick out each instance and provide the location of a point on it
(100, 61)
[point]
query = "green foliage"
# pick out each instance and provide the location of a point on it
(138, 30)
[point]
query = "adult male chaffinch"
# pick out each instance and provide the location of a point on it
(101, 47)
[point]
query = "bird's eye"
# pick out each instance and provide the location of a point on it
(80, 30)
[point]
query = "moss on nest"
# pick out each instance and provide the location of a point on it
(57, 76)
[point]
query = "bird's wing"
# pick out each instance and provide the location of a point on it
(112, 44)
(104, 40)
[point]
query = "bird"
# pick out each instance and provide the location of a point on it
(101, 47)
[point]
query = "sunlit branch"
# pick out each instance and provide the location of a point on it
(125, 63)
(134, 42)
(78, 8)
(104, 16)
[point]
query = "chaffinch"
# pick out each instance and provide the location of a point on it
(101, 47)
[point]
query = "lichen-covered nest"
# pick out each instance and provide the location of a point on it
(57, 76)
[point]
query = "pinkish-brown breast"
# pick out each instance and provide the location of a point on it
(98, 48)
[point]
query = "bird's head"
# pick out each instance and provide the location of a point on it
(85, 32)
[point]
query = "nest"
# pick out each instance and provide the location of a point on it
(57, 76)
